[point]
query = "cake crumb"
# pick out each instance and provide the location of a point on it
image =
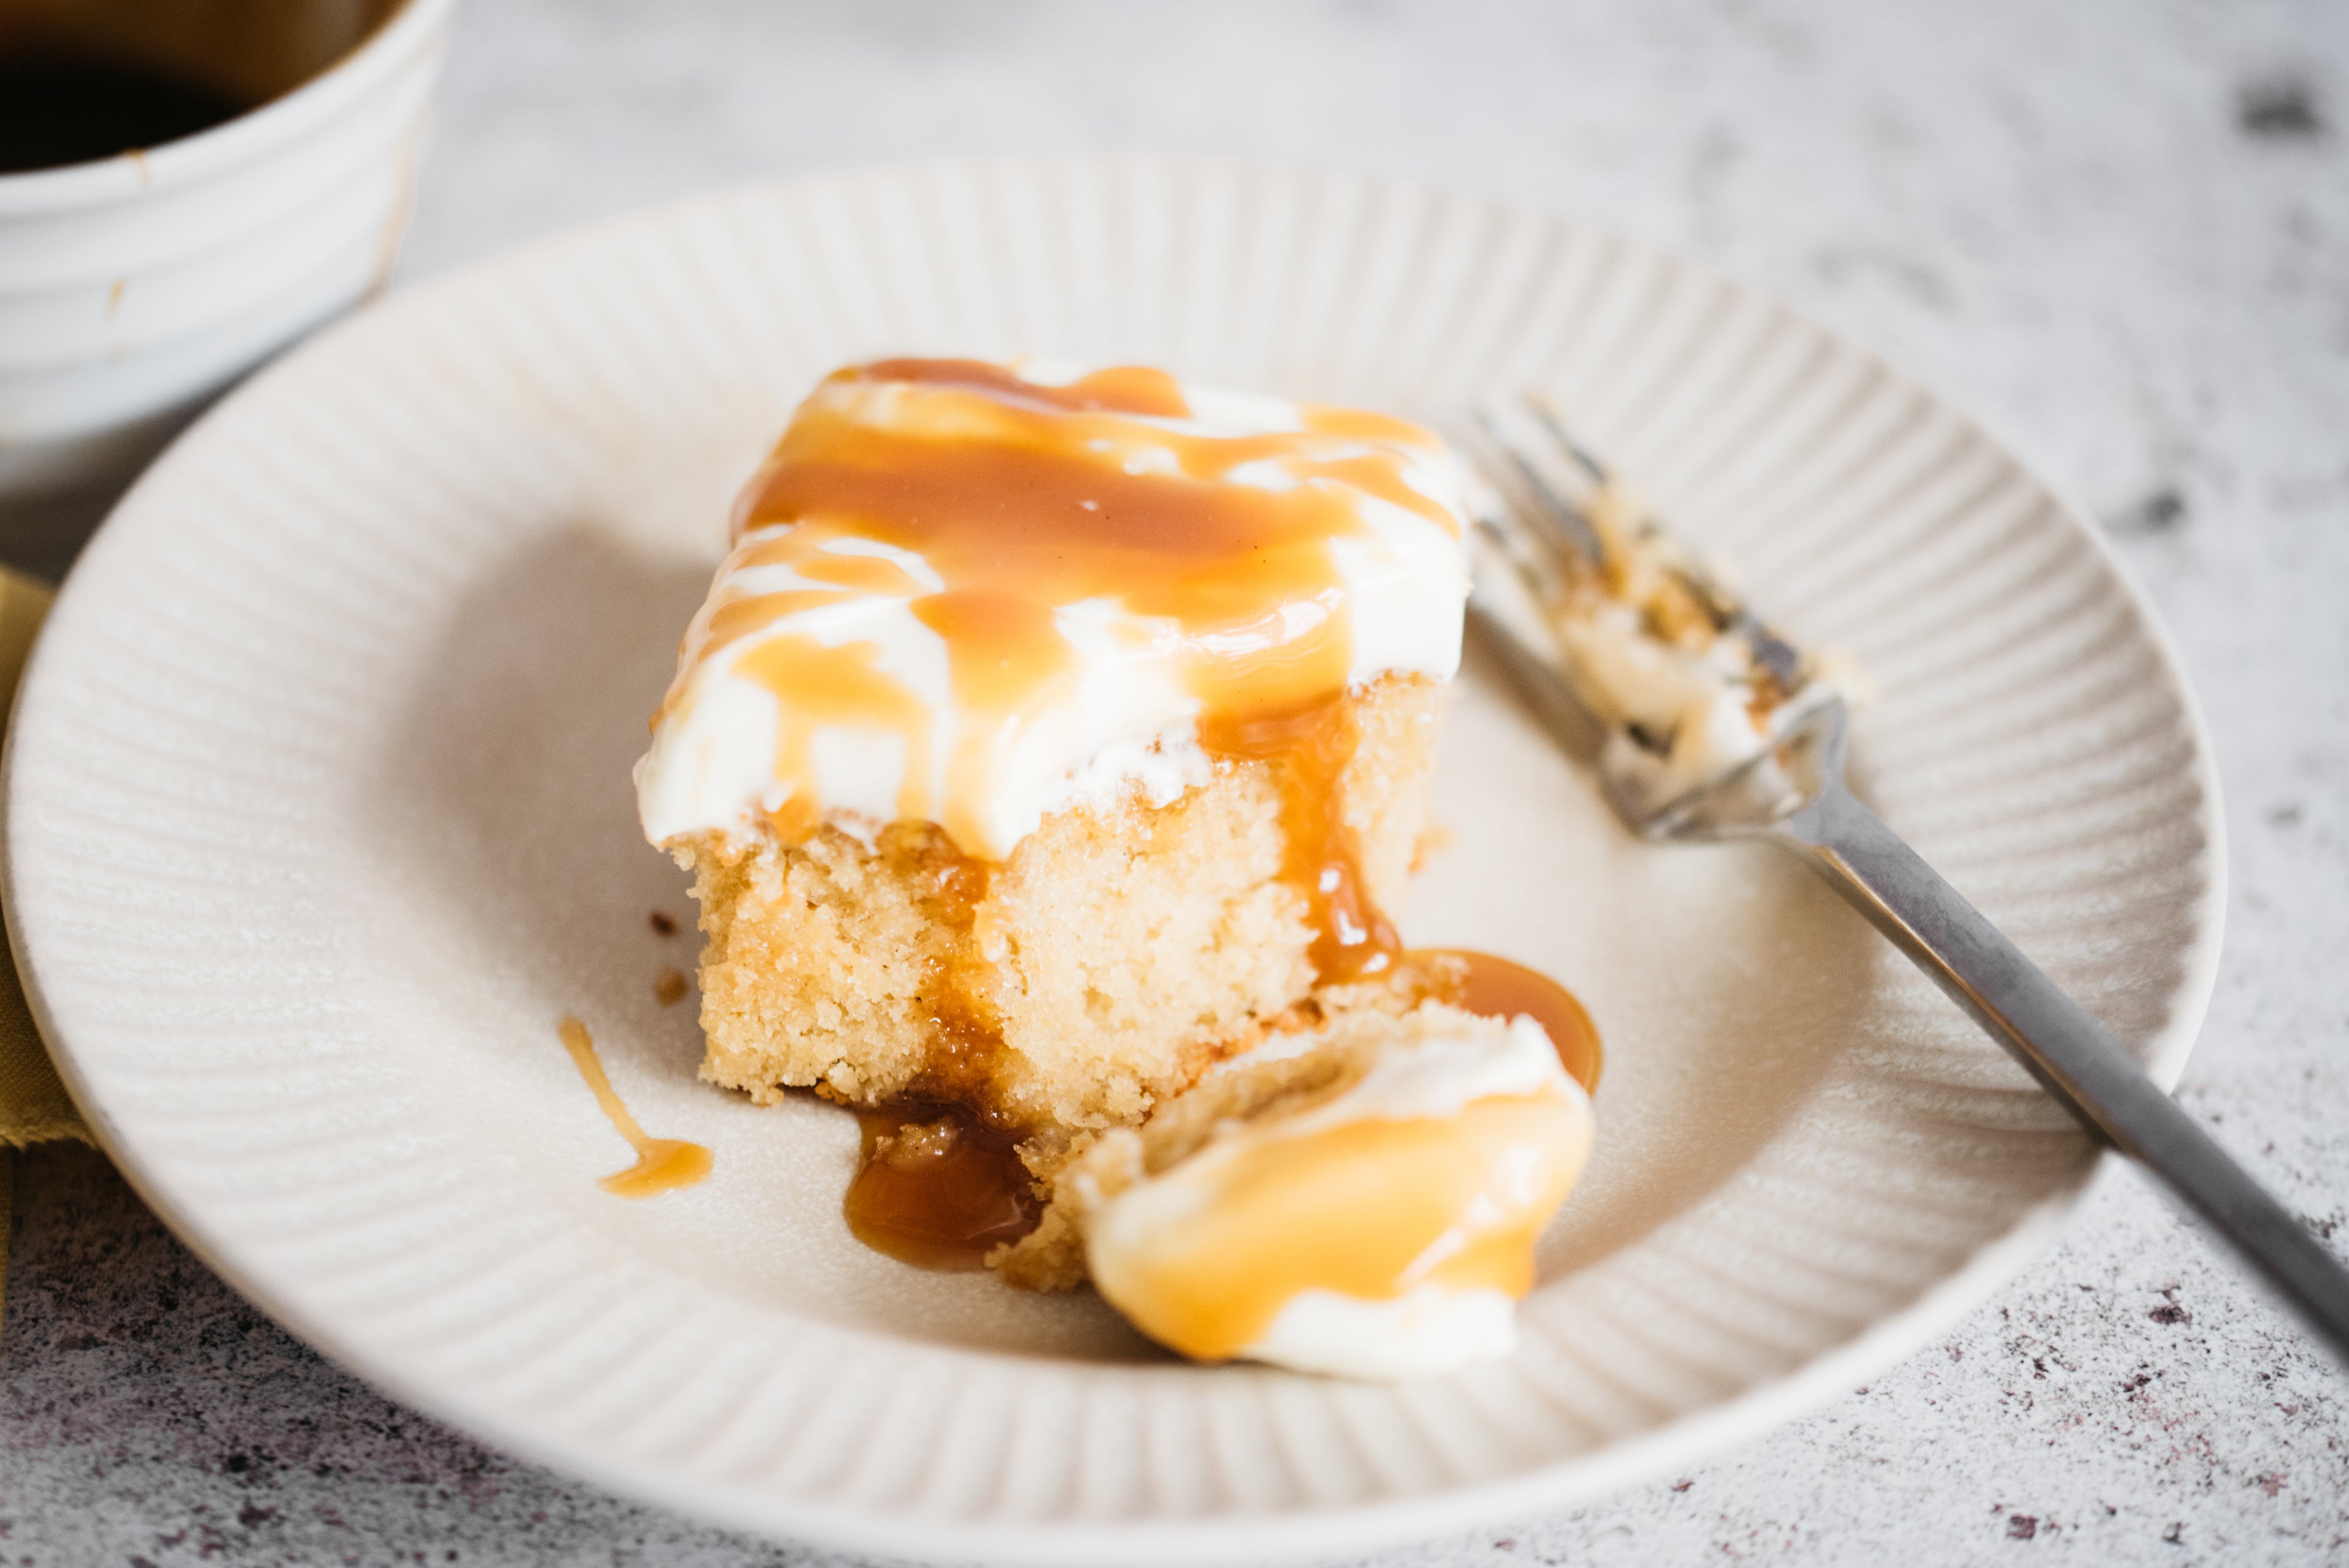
(911, 1146)
(669, 987)
(663, 923)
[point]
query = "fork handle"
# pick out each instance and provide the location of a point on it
(2078, 1061)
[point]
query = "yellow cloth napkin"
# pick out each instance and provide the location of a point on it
(34, 1107)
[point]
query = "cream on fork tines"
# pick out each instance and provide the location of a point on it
(1714, 726)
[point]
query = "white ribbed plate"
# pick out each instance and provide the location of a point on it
(320, 815)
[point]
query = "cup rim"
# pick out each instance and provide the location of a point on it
(128, 175)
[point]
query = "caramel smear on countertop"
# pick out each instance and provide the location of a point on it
(663, 1164)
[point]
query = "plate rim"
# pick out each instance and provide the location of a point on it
(1309, 1530)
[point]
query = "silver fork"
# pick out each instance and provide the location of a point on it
(1555, 541)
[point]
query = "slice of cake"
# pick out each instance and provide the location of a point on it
(1046, 736)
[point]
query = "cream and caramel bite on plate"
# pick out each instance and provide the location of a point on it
(1361, 1198)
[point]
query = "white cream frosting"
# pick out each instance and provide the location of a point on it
(1457, 1059)
(1124, 722)
(1426, 1332)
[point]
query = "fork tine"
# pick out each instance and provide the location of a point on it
(1565, 520)
(1546, 413)
(1563, 524)
(1775, 653)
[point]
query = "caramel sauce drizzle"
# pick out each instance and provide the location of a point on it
(1308, 748)
(816, 685)
(1499, 988)
(1119, 390)
(938, 1188)
(663, 1164)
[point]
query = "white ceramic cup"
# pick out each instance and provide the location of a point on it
(135, 287)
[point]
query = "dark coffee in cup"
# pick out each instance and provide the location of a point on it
(87, 80)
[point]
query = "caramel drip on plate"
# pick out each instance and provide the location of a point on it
(938, 1188)
(662, 1163)
(940, 1183)
(1499, 988)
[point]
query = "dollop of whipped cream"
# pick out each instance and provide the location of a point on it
(1385, 1233)
(976, 595)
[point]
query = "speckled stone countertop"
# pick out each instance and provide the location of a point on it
(2116, 232)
